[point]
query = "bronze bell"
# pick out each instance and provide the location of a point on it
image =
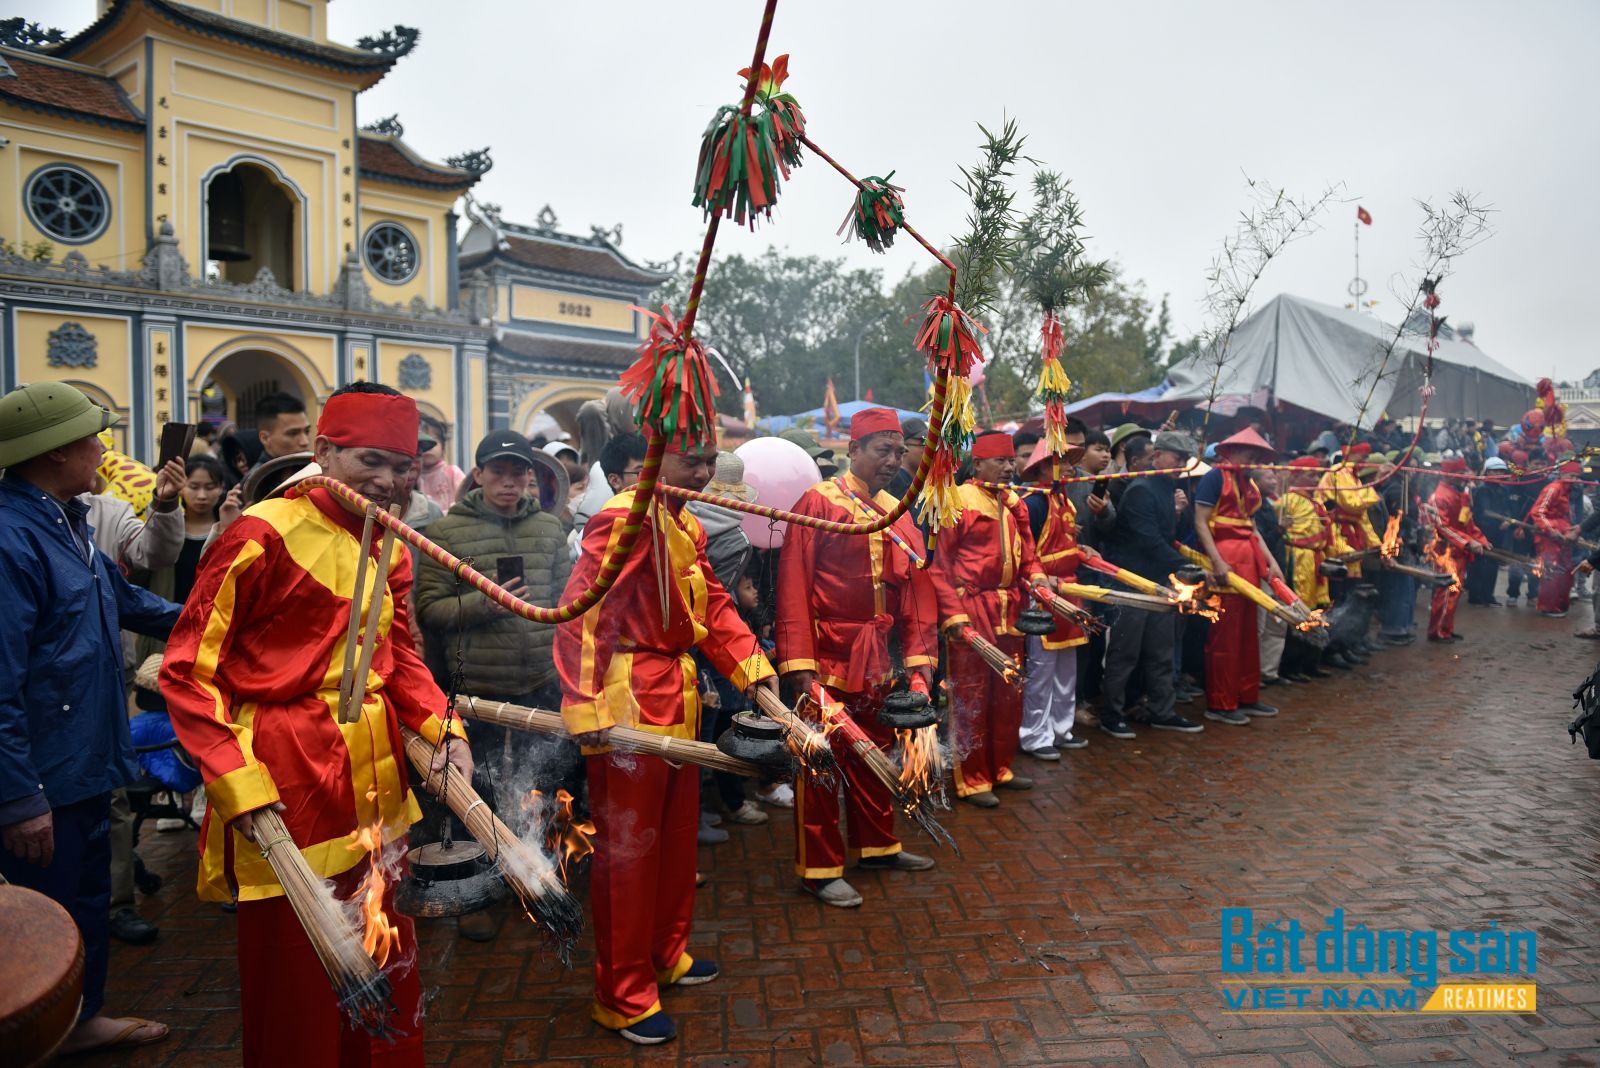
(907, 710)
(758, 740)
(1036, 622)
(448, 879)
(225, 219)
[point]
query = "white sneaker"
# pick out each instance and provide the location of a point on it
(749, 813)
(780, 795)
(197, 807)
(170, 824)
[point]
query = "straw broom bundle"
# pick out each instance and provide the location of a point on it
(1068, 611)
(624, 739)
(362, 989)
(526, 870)
(809, 745)
(1003, 665)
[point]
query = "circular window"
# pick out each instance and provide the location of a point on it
(67, 203)
(391, 252)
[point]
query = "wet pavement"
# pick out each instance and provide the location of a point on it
(1432, 790)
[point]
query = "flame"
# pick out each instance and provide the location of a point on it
(1190, 601)
(1446, 562)
(566, 838)
(1390, 547)
(1313, 621)
(379, 937)
(921, 763)
(1538, 568)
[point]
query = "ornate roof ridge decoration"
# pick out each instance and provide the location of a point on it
(384, 157)
(18, 32)
(164, 271)
(473, 161)
(394, 43)
(389, 126)
(375, 58)
(610, 240)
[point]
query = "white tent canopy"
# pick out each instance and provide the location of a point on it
(1323, 359)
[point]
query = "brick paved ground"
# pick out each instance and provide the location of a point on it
(1434, 790)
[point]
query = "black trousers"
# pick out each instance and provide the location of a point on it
(1140, 642)
(78, 879)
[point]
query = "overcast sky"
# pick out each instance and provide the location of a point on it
(1155, 110)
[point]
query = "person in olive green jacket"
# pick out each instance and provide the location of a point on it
(498, 525)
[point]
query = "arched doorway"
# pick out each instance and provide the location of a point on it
(236, 380)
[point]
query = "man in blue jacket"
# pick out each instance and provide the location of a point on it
(64, 744)
(1141, 542)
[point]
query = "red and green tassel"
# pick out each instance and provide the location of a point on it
(739, 170)
(948, 336)
(877, 212)
(671, 383)
(1054, 386)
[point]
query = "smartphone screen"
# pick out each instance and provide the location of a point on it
(507, 568)
(1101, 486)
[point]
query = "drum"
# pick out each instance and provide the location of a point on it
(41, 975)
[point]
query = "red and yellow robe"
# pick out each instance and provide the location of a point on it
(1059, 555)
(1456, 526)
(1347, 499)
(251, 678)
(1308, 531)
(619, 663)
(1233, 525)
(840, 596)
(984, 564)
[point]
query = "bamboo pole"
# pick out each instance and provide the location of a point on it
(1126, 598)
(350, 709)
(525, 869)
(362, 990)
(1581, 543)
(808, 743)
(354, 630)
(1247, 589)
(625, 739)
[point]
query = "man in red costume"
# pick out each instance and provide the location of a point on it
(982, 571)
(622, 664)
(251, 678)
(839, 597)
(1226, 501)
(1458, 539)
(1050, 697)
(1553, 535)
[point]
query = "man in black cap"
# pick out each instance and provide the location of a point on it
(64, 741)
(1141, 541)
(915, 431)
(504, 657)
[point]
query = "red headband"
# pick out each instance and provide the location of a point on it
(991, 444)
(873, 421)
(1305, 461)
(1455, 465)
(1360, 448)
(1570, 467)
(370, 421)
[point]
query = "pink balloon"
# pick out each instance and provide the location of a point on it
(780, 471)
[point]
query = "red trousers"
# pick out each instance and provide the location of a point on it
(641, 885)
(988, 717)
(1233, 652)
(1442, 610)
(819, 845)
(291, 1015)
(1555, 587)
